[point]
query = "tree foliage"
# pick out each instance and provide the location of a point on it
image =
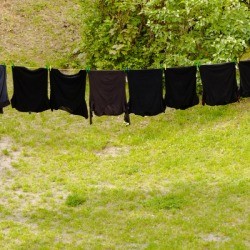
(150, 33)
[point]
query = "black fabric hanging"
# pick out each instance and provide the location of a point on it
(180, 86)
(4, 99)
(219, 84)
(145, 92)
(244, 68)
(68, 92)
(30, 89)
(107, 93)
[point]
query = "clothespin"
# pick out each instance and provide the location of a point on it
(48, 67)
(235, 60)
(12, 64)
(87, 69)
(197, 64)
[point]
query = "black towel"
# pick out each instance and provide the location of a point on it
(181, 87)
(30, 89)
(4, 99)
(68, 92)
(244, 67)
(219, 84)
(107, 93)
(145, 92)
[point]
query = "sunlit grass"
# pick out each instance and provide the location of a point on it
(177, 180)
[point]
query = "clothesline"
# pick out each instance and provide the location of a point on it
(107, 93)
(46, 66)
(49, 67)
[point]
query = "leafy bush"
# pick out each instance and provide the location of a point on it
(144, 34)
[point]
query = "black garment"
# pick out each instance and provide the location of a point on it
(181, 87)
(68, 92)
(219, 84)
(107, 93)
(145, 92)
(4, 99)
(244, 67)
(30, 89)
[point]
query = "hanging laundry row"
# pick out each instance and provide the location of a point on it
(107, 95)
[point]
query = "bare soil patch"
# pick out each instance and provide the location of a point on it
(7, 154)
(112, 151)
(215, 238)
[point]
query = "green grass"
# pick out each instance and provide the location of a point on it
(75, 200)
(179, 180)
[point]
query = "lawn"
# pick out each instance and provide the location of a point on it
(179, 180)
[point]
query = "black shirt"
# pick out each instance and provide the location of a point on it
(107, 93)
(244, 67)
(4, 99)
(145, 92)
(30, 89)
(181, 87)
(219, 84)
(68, 92)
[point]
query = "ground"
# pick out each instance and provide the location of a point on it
(36, 33)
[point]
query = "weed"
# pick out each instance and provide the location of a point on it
(75, 200)
(166, 202)
(6, 152)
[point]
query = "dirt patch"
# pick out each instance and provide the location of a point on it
(7, 154)
(215, 238)
(113, 151)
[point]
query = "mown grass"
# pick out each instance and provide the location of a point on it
(179, 180)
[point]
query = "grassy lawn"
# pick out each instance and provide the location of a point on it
(179, 180)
